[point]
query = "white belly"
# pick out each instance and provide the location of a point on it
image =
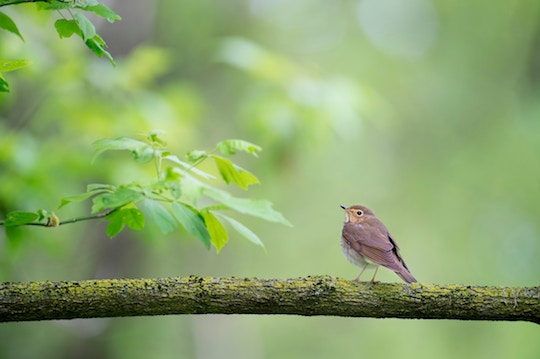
(354, 257)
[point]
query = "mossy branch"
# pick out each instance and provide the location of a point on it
(323, 295)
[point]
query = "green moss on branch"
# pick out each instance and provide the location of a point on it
(322, 295)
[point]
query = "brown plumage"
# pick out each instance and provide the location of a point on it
(366, 242)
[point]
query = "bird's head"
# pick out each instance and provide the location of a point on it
(357, 213)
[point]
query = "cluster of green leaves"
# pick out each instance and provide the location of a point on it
(172, 198)
(73, 21)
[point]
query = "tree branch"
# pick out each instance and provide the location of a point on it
(15, 2)
(323, 295)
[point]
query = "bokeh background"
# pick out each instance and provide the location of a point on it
(426, 111)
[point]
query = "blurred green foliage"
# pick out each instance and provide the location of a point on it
(72, 22)
(429, 115)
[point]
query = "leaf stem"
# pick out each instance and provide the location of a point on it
(87, 218)
(67, 221)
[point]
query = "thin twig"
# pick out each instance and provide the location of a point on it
(15, 2)
(67, 221)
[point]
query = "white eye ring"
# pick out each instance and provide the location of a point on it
(359, 213)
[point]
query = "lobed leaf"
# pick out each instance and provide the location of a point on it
(233, 173)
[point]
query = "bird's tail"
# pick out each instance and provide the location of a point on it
(406, 276)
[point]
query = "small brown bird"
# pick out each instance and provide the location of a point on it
(365, 241)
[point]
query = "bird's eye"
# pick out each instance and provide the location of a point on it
(359, 213)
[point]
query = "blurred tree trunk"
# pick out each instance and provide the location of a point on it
(323, 295)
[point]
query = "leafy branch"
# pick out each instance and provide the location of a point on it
(73, 21)
(172, 197)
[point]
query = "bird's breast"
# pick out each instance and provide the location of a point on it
(352, 256)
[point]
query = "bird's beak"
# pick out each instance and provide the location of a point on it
(342, 206)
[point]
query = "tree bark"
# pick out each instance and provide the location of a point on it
(322, 295)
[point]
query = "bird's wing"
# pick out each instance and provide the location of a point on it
(371, 236)
(376, 244)
(396, 252)
(386, 259)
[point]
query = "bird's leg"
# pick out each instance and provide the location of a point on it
(357, 279)
(374, 274)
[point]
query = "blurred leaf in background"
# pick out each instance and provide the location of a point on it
(425, 111)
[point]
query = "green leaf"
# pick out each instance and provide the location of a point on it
(88, 3)
(196, 155)
(257, 208)
(188, 167)
(218, 233)
(88, 30)
(192, 221)
(141, 151)
(229, 147)
(115, 226)
(191, 188)
(130, 216)
(43, 214)
(243, 230)
(7, 24)
(66, 28)
(97, 45)
(154, 137)
(134, 218)
(54, 5)
(118, 198)
(19, 218)
(10, 65)
(235, 174)
(76, 198)
(172, 182)
(4, 86)
(101, 187)
(103, 11)
(91, 190)
(165, 221)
